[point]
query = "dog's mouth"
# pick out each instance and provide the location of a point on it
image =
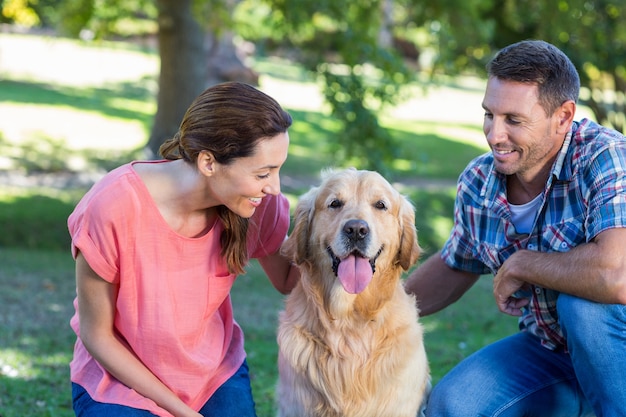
(354, 271)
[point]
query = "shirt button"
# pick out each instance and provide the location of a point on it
(531, 246)
(564, 245)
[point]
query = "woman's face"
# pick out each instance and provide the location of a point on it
(242, 184)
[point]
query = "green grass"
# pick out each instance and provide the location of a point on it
(37, 273)
(450, 335)
(36, 340)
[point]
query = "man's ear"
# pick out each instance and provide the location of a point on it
(565, 116)
(206, 163)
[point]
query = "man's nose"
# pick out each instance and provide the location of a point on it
(495, 131)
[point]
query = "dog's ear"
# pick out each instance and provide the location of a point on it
(296, 247)
(409, 248)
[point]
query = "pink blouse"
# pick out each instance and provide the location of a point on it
(173, 308)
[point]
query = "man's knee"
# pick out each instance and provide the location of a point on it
(446, 399)
(582, 318)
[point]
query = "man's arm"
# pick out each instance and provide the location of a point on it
(594, 270)
(436, 285)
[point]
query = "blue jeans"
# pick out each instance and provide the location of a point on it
(233, 398)
(517, 377)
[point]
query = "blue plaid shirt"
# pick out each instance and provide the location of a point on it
(585, 194)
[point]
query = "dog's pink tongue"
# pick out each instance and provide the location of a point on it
(354, 273)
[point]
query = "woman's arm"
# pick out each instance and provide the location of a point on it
(282, 273)
(96, 309)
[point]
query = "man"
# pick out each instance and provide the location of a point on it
(545, 213)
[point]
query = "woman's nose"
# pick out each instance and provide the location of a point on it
(273, 185)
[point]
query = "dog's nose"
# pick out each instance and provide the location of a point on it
(356, 229)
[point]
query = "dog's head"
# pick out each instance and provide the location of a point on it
(354, 226)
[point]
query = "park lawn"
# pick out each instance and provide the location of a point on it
(37, 274)
(36, 340)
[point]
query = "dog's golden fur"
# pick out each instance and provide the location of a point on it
(356, 352)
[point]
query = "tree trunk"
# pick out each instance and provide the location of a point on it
(385, 33)
(225, 61)
(183, 68)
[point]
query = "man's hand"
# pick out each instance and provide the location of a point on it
(504, 288)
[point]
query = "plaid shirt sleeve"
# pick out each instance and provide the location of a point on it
(585, 195)
(607, 187)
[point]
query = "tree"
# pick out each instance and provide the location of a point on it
(197, 50)
(340, 43)
(182, 76)
(591, 33)
(348, 46)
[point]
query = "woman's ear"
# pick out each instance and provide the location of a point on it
(206, 163)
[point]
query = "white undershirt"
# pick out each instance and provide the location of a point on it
(523, 215)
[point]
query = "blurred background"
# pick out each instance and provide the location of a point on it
(364, 58)
(390, 85)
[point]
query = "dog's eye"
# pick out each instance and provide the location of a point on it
(335, 203)
(380, 205)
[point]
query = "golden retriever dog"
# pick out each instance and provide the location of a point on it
(350, 344)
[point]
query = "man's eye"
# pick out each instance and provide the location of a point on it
(264, 176)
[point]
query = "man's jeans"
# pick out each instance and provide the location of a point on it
(518, 377)
(233, 398)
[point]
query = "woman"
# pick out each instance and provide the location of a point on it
(158, 245)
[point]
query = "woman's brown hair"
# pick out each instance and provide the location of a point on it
(228, 120)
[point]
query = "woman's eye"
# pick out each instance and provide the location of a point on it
(264, 176)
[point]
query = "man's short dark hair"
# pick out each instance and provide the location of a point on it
(541, 63)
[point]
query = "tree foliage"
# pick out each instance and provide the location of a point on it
(591, 32)
(339, 42)
(349, 47)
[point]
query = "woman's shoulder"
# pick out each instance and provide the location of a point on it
(114, 194)
(271, 207)
(268, 226)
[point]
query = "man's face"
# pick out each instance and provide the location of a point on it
(521, 136)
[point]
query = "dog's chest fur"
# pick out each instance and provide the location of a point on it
(352, 363)
(350, 344)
